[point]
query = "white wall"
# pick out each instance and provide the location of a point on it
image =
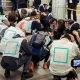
(45, 1)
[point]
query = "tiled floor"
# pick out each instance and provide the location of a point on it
(39, 74)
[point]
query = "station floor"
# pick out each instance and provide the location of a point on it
(39, 74)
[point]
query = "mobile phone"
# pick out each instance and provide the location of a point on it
(76, 63)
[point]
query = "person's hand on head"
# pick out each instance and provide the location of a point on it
(76, 33)
(72, 38)
(61, 36)
(50, 34)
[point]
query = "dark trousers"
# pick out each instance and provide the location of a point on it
(14, 5)
(72, 6)
(71, 75)
(39, 56)
(12, 64)
(1, 10)
(22, 5)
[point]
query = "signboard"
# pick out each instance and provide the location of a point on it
(11, 49)
(60, 55)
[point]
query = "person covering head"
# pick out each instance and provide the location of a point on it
(23, 13)
(62, 52)
(25, 26)
(70, 21)
(12, 18)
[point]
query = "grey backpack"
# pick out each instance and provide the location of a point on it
(39, 39)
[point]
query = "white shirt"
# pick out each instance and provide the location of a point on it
(8, 35)
(11, 32)
(70, 1)
(61, 54)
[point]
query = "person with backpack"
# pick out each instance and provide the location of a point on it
(39, 45)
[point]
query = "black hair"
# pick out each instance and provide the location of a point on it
(33, 13)
(23, 11)
(52, 20)
(50, 9)
(70, 21)
(12, 17)
(61, 23)
(67, 36)
(75, 26)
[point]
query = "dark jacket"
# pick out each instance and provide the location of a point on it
(22, 1)
(37, 2)
(75, 26)
(50, 3)
(0, 3)
(74, 1)
(25, 48)
(36, 26)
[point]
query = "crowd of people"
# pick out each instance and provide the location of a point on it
(32, 35)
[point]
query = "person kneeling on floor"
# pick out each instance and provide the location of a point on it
(39, 45)
(16, 54)
(62, 53)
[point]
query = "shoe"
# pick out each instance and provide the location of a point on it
(7, 74)
(26, 75)
(45, 66)
(36, 65)
(31, 67)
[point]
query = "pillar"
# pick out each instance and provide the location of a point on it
(58, 9)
